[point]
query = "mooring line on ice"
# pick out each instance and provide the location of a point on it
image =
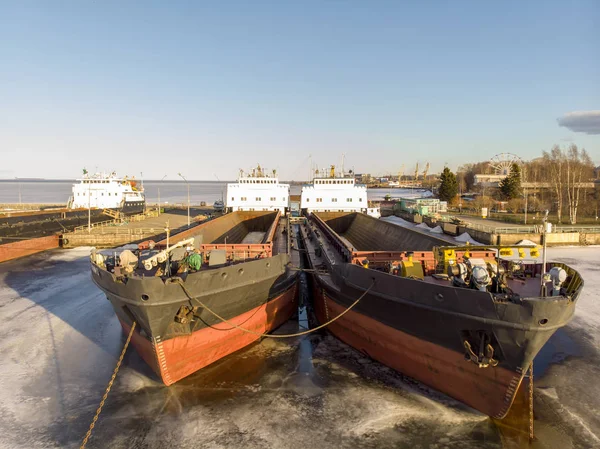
(260, 334)
(110, 384)
(311, 270)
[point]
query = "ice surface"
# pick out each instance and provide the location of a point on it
(59, 341)
(423, 226)
(437, 230)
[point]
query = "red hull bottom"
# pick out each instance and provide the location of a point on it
(179, 357)
(490, 390)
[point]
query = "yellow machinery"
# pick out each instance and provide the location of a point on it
(411, 269)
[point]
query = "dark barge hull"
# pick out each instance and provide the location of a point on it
(419, 328)
(258, 295)
(174, 358)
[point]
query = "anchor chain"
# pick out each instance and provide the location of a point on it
(110, 384)
(325, 304)
(531, 401)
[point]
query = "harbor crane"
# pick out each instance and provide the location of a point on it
(425, 171)
(401, 174)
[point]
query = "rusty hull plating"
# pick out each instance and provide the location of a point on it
(472, 345)
(254, 288)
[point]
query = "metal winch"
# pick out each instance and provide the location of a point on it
(472, 273)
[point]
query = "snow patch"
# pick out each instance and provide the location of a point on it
(466, 238)
(398, 221)
(526, 242)
(437, 230)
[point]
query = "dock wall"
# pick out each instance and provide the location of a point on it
(110, 237)
(23, 248)
(510, 235)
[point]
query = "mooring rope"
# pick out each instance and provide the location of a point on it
(310, 270)
(110, 384)
(259, 334)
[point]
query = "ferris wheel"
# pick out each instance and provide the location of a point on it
(501, 163)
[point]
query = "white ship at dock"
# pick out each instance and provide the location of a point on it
(336, 192)
(107, 191)
(257, 191)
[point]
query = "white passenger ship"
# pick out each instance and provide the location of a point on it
(108, 191)
(257, 190)
(336, 193)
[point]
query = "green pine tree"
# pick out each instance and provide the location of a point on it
(510, 187)
(448, 185)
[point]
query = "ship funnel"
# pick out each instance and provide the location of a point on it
(332, 171)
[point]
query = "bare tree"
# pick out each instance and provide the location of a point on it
(555, 160)
(569, 170)
(578, 169)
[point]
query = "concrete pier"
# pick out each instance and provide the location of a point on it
(114, 233)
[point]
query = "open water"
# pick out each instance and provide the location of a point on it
(58, 192)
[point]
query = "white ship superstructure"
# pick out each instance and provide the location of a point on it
(257, 190)
(107, 191)
(336, 193)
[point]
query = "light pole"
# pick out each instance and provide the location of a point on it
(159, 182)
(89, 208)
(188, 189)
(525, 191)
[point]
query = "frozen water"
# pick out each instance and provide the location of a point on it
(59, 341)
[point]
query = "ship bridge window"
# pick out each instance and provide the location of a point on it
(232, 199)
(360, 200)
(273, 198)
(244, 198)
(348, 200)
(307, 200)
(334, 200)
(258, 198)
(319, 200)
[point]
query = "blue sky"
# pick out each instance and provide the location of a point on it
(206, 88)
